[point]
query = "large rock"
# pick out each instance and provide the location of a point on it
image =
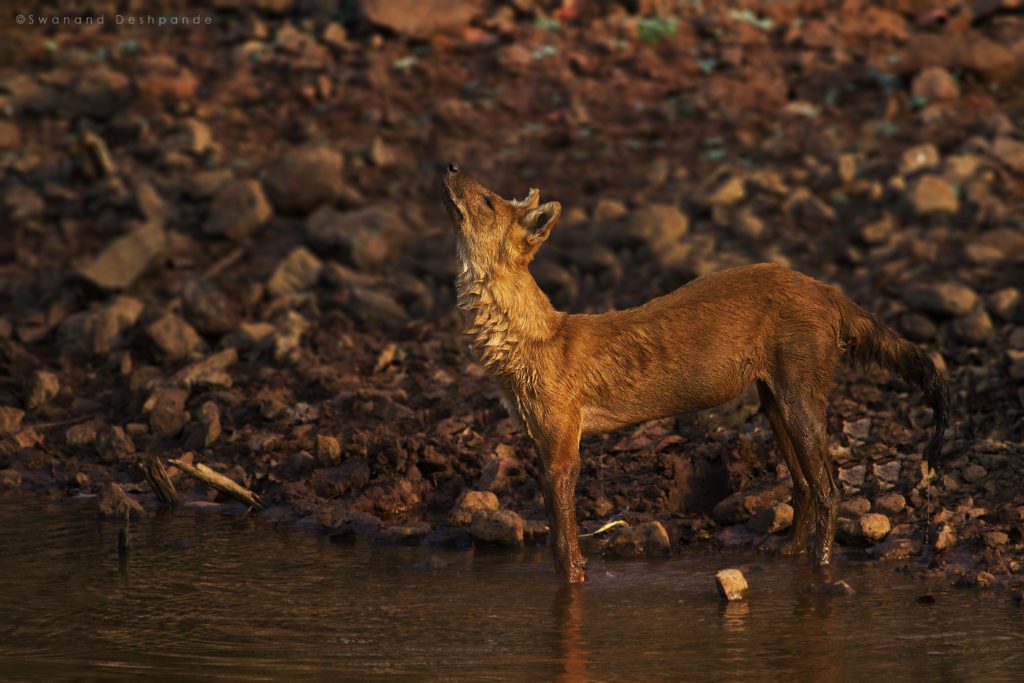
(173, 337)
(944, 298)
(370, 238)
(732, 585)
(503, 527)
(297, 271)
(470, 503)
(305, 177)
(421, 18)
(126, 258)
(238, 209)
(645, 540)
(874, 527)
(933, 194)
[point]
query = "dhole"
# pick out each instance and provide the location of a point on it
(562, 375)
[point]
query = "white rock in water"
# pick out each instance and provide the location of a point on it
(732, 585)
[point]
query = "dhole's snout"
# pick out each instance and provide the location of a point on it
(453, 180)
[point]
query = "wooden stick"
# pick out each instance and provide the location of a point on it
(157, 476)
(220, 482)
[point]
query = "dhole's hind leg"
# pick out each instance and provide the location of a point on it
(804, 417)
(803, 504)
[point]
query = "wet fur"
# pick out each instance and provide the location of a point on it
(563, 375)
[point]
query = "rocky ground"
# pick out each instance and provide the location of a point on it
(225, 243)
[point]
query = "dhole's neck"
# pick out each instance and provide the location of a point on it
(505, 313)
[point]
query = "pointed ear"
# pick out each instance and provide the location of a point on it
(530, 201)
(539, 221)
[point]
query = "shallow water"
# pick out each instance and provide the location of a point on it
(210, 597)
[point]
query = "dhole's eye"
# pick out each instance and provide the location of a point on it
(487, 201)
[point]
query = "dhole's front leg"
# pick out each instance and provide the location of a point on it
(560, 457)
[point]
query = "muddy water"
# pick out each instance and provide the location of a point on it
(210, 597)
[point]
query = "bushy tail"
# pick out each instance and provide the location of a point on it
(869, 340)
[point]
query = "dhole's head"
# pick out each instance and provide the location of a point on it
(492, 231)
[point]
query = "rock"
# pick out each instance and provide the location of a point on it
(996, 246)
(211, 371)
(852, 477)
(376, 309)
(658, 225)
(918, 158)
(874, 527)
(298, 271)
(22, 204)
(173, 337)
(944, 298)
(935, 84)
(100, 331)
(125, 259)
(943, 537)
(890, 504)
(730, 191)
(973, 473)
(975, 328)
(495, 471)
(742, 505)
(10, 420)
(328, 450)
(403, 534)
(10, 135)
(166, 408)
(83, 434)
(469, 503)
(772, 520)
(933, 194)
(117, 504)
(238, 210)
(113, 445)
(10, 479)
(917, 327)
(370, 238)
(992, 60)
(994, 539)
(886, 473)
(897, 548)
(854, 507)
(205, 431)
(1010, 152)
(747, 224)
(646, 540)
(43, 387)
(503, 527)
(304, 178)
(732, 585)
(420, 18)
(208, 308)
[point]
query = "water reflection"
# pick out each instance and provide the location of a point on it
(569, 620)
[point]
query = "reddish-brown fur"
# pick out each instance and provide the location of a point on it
(563, 375)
